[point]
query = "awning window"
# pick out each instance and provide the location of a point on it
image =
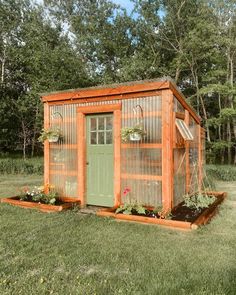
(183, 129)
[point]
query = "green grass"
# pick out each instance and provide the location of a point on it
(71, 253)
(221, 172)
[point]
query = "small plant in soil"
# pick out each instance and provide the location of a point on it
(198, 201)
(132, 207)
(38, 195)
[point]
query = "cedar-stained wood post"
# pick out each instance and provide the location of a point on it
(200, 160)
(186, 119)
(167, 149)
(46, 147)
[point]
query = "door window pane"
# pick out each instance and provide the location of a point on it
(93, 124)
(93, 137)
(109, 123)
(109, 137)
(100, 137)
(101, 123)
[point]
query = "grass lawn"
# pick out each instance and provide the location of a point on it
(71, 253)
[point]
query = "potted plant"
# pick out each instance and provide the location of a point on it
(135, 133)
(50, 134)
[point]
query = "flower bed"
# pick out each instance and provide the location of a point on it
(41, 198)
(59, 206)
(180, 217)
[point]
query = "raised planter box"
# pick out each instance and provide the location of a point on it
(205, 217)
(42, 207)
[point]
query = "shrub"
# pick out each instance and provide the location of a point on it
(221, 172)
(20, 166)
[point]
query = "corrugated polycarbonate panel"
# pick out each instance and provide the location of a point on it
(141, 163)
(63, 155)
(193, 155)
(179, 175)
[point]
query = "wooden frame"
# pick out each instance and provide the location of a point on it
(81, 113)
(167, 149)
(116, 93)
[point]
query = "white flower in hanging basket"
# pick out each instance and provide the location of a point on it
(135, 136)
(50, 134)
(135, 133)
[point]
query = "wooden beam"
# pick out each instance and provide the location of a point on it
(106, 91)
(167, 150)
(99, 109)
(187, 187)
(117, 157)
(141, 145)
(200, 160)
(81, 157)
(46, 148)
(141, 176)
(117, 97)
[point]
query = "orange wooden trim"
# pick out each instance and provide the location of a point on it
(99, 109)
(117, 97)
(180, 115)
(184, 103)
(141, 176)
(187, 145)
(200, 162)
(167, 150)
(61, 172)
(145, 115)
(141, 145)
(64, 146)
(109, 91)
(46, 146)
(117, 156)
(81, 157)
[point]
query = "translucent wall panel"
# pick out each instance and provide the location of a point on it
(193, 155)
(179, 175)
(140, 162)
(63, 155)
(178, 106)
(146, 192)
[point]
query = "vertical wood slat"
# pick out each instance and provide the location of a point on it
(200, 177)
(81, 157)
(46, 147)
(187, 145)
(117, 157)
(167, 149)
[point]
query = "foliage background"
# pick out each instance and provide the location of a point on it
(57, 45)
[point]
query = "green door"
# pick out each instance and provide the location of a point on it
(99, 156)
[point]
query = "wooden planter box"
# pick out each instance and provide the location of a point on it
(205, 217)
(42, 207)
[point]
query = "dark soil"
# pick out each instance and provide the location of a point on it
(180, 213)
(183, 213)
(29, 199)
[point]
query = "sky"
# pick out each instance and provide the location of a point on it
(126, 4)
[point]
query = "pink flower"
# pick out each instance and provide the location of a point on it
(126, 191)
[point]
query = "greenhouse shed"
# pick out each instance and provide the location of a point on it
(138, 136)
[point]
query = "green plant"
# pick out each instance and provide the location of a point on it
(129, 209)
(127, 131)
(49, 133)
(198, 201)
(38, 195)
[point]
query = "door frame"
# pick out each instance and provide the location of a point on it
(81, 139)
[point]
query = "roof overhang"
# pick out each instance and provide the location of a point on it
(118, 91)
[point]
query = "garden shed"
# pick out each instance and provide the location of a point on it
(99, 154)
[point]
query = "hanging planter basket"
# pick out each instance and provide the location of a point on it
(137, 132)
(135, 136)
(54, 138)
